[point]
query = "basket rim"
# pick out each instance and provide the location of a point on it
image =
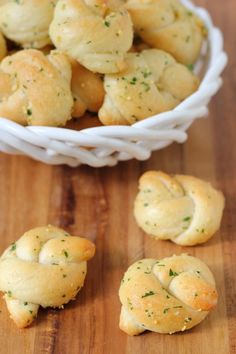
(215, 46)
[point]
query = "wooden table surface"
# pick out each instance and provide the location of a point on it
(98, 203)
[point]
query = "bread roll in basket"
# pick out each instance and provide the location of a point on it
(106, 145)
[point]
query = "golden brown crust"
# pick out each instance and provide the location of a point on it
(87, 90)
(96, 33)
(168, 25)
(3, 47)
(27, 22)
(181, 208)
(35, 89)
(52, 267)
(166, 296)
(153, 82)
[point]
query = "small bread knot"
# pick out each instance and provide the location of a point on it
(45, 267)
(27, 22)
(96, 33)
(170, 26)
(152, 83)
(184, 209)
(22, 77)
(166, 296)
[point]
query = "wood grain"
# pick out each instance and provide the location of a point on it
(98, 204)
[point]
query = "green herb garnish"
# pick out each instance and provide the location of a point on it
(190, 67)
(172, 273)
(13, 247)
(150, 293)
(29, 112)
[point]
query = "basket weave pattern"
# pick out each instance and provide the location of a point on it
(105, 146)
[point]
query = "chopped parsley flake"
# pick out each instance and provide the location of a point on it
(172, 273)
(13, 247)
(133, 81)
(29, 112)
(146, 73)
(150, 293)
(146, 85)
(190, 67)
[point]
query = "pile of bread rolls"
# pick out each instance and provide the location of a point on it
(124, 61)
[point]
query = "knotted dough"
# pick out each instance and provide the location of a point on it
(96, 33)
(184, 209)
(168, 25)
(166, 296)
(26, 22)
(36, 89)
(153, 82)
(45, 267)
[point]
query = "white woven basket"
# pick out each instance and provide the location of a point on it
(111, 144)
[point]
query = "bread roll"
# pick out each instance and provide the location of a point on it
(153, 82)
(35, 89)
(183, 209)
(26, 22)
(45, 267)
(96, 33)
(168, 25)
(167, 295)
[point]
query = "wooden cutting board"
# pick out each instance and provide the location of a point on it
(98, 204)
